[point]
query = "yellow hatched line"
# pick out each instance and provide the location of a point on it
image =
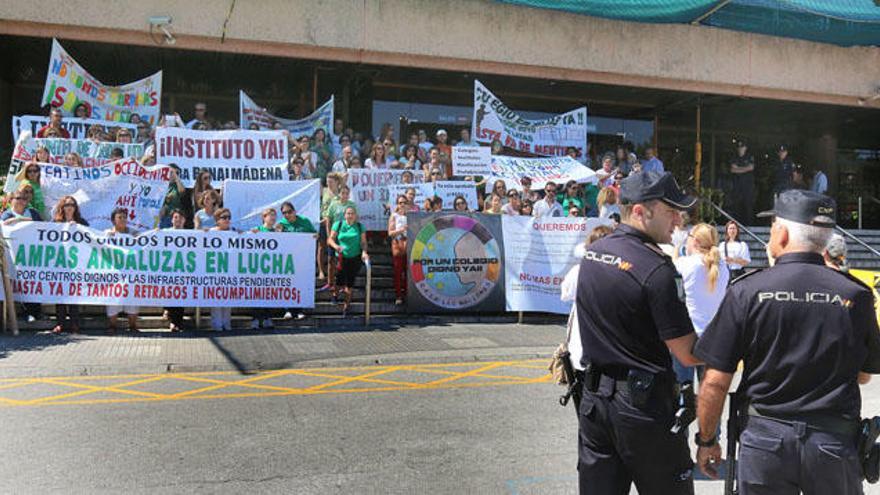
(92, 390)
(237, 384)
(360, 378)
(110, 388)
(465, 374)
(223, 385)
(353, 378)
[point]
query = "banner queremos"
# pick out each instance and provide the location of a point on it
(250, 113)
(538, 253)
(58, 263)
(455, 262)
(93, 154)
(549, 137)
(247, 200)
(69, 85)
(237, 155)
(78, 128)
(369, 191)
(541, 170)
(98, 190)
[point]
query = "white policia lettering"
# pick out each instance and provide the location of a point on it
(807, 297)
(608, 259)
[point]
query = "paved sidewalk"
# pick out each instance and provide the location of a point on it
(44, 354)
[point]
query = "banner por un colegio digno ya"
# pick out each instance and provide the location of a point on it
(60, 263)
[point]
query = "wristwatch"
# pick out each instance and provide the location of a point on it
(705, 443)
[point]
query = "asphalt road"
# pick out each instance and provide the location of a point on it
(364, 438)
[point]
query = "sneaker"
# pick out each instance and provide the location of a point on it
(255, 325)
(267, 323)
(31, 319)
(300, 316)
(398, 301)
(288, 316)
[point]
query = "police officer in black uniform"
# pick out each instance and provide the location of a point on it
(742, 170)
(630, 318)
(784, 169)
(804, 333)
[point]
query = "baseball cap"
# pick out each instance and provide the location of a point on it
(645, 186)
(441, 131)
(807, 207)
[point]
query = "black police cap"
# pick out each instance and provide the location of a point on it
(645, 186)
(805, 207)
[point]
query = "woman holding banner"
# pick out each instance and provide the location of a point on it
(348, 238)
(208, 203)
(607, 203)
(119, 217)
(173, 199)
(397, 234)
(202, 184)
(30, 175)
(377, 158)
(262, 317)
(324, 152)
(42, 155)
(328, 196)
(221, 316)
(73, 159)
(493, 206)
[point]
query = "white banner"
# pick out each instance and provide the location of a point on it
(78, 128)
(369, 191)
(59, 263)
(250, 113)
(540, 170)
(448, 190)
(93, 154)
(98, 190)
(469, 161)
(538, 253)
(237, 155)
(548, 137)
(247, 200)
(69, 85)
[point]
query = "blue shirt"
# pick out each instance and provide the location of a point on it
(653, 165)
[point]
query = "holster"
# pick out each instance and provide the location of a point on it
(869, 450)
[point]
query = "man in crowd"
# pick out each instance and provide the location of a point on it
(445, 151)
(201, 115)
(465, 135)
(548, 207)
(55, 118)
(342, 165)
(807, 336)
(820, 181)
(423, 143)
(742, 170)
(651, 163)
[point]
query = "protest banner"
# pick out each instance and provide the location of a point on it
(470, 161)
(549, 137)
(541, 170)
(98, 190)
(247, 200)
(69, 85)
(538, 253)
(369, 191)
(455, 262)
(423, 190)
(78, 128)
(250, 113)
(448, 190)
(59, 263)
(237, 155)
(93, 154)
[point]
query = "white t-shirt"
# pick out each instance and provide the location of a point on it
(569, 293)
(542, 209)
(735, 249)
(508, 209)
(371, 164)
(607, 210)
(701, 303)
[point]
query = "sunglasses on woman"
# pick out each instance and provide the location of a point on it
(225, 217)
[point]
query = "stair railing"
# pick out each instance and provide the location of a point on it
(742, 227)
(367, 296)
(858, 241)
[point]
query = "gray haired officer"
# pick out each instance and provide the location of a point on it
(630, 319)
(807, 336)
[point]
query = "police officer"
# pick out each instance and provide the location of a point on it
(742, 170)
(630, 318)
(784, 169)
(804, 332)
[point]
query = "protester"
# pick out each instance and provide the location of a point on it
(410, 158)
(573, 211)
(527, 208)
(262, 317)
(460, 204)
(736, 252)
(18, 210)
(819, 183)
(465, 138)
(513, 203)
(309, 157)
(202, 184)
(67, 211)
(293, 223)
(377, 158)
(397, 234)
(445, 151)
(30, 175)
(328, 196)
(72, 159)
(336, 214)
(348, 238)
(548, 207)
(433, 165)
(572, 197)
(207, 204)
(173, 200)
(55, 119)
(297, 172)
(123, 135)
(835, 253)
(42, 155)
(493, 206)
(323, 151)
(201, 115)
(221, 316)
(607, 203)
(651, 162)
(606, 174)
(500, 188)
(175, 313)
(341, 165)
(119, 218)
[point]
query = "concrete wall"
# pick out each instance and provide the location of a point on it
(478, 36)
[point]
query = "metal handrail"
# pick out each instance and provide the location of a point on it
(368, 291)
(742, 227)
(858, 241)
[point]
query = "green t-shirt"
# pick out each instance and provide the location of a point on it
(326, 200)
(568, 202)
(301, 224)
(336, 211)
(263, 228)
(591, 194)
(349, 237)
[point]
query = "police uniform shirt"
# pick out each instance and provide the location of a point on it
(783, 174)
(803, 331)
(628, 304)
(744, 161)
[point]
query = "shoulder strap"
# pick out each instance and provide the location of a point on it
(725, 250)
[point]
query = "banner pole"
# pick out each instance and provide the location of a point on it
(198, 317)
(519, 318)
(9, 309)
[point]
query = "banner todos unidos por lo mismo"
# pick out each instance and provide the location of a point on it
(56, 263)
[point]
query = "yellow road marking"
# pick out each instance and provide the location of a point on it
(451, 373)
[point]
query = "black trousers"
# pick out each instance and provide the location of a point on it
(620, 444)
(778, 458)
(175, 315)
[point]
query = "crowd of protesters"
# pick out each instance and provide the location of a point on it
(342, 239)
